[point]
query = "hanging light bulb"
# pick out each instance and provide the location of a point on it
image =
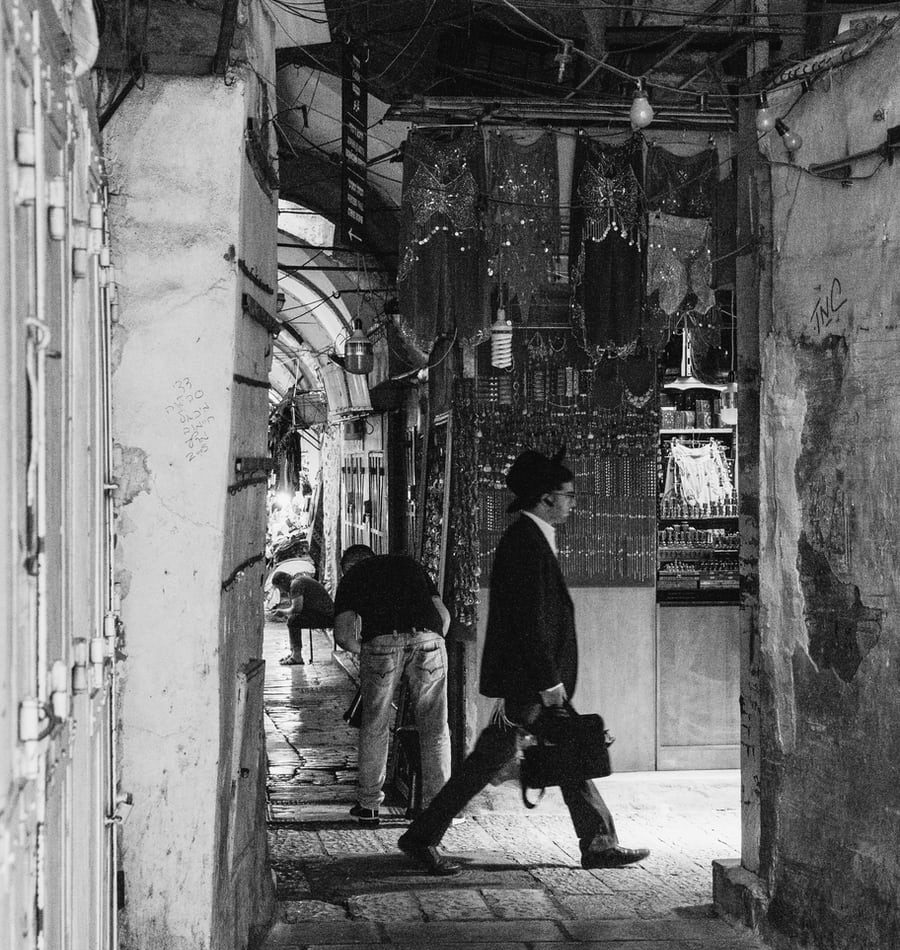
(359, 356)
(563, 58)
(765, 120)
(501, 341)
(792, 141)
(641, 111)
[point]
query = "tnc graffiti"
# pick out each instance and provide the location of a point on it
(827, 306)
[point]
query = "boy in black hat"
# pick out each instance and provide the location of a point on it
(530, 660)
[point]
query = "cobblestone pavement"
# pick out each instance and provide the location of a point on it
(339, 885)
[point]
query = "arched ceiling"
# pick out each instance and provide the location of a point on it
(309, 155)
(324, 292)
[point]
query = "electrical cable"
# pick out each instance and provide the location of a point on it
(836, 10)
(409, 42)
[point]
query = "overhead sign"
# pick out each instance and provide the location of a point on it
(354, 143)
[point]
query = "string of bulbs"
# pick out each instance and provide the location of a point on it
(766, 120)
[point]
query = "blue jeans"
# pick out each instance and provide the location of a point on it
(420, 659)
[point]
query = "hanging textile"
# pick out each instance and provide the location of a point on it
(682, 185)
(440, 274)
(725, 228)
(678, 265)
(698, 475)
(605, 245)
(522, 221)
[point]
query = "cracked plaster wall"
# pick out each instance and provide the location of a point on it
(185, 209)
(829, 531)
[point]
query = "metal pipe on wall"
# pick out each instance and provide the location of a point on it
(40, 335)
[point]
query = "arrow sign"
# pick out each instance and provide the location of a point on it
(354, 142)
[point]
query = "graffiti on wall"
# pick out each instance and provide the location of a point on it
(193, 412)
(828, 305)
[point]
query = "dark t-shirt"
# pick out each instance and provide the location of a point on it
(318, 608)
(390, 592)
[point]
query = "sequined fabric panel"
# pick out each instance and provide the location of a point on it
(678, 263)
(440, 194)
(522, 225)
(610, 195)
(682, 185)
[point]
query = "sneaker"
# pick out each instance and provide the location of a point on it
(367, 817)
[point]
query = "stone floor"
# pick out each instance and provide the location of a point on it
(342, 886)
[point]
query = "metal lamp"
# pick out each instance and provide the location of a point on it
(359, 356)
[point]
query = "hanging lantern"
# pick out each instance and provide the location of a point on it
(501, 341)
(359, 356)
(641, 113)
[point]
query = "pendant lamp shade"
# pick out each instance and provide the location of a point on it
(359, 357)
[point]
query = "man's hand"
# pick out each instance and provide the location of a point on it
(346, 631)
(555, 696)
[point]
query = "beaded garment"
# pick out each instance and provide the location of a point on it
(440, 274)
(678, 264)
(607, 228)
(682, 185)
(610, 194)
(522, 220)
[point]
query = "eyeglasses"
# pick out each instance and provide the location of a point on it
(565, 494)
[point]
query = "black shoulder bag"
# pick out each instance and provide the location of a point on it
(570, 748)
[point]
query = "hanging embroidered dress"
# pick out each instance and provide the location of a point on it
(678, 279)
(440, 277)
(681, 191)
(522, 219)
(678, 264)
(682, 185)
(605, 245)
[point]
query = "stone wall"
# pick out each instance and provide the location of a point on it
(193, 223)
(829, 539)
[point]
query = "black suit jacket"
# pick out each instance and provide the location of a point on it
(530, 643)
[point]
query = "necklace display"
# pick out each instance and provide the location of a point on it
(610, 538)
(433, 513)
(464, 566)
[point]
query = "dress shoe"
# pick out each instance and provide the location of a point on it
(616, 857)
(429, 857)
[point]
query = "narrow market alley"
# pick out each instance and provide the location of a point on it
(342, 885)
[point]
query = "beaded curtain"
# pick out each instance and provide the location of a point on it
(607, 233)
(522, 218)
(440, 278)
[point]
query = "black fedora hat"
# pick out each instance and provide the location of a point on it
(532, 474)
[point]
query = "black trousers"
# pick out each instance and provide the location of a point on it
(495, 748)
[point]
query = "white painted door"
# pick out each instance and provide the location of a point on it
(57, 621)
